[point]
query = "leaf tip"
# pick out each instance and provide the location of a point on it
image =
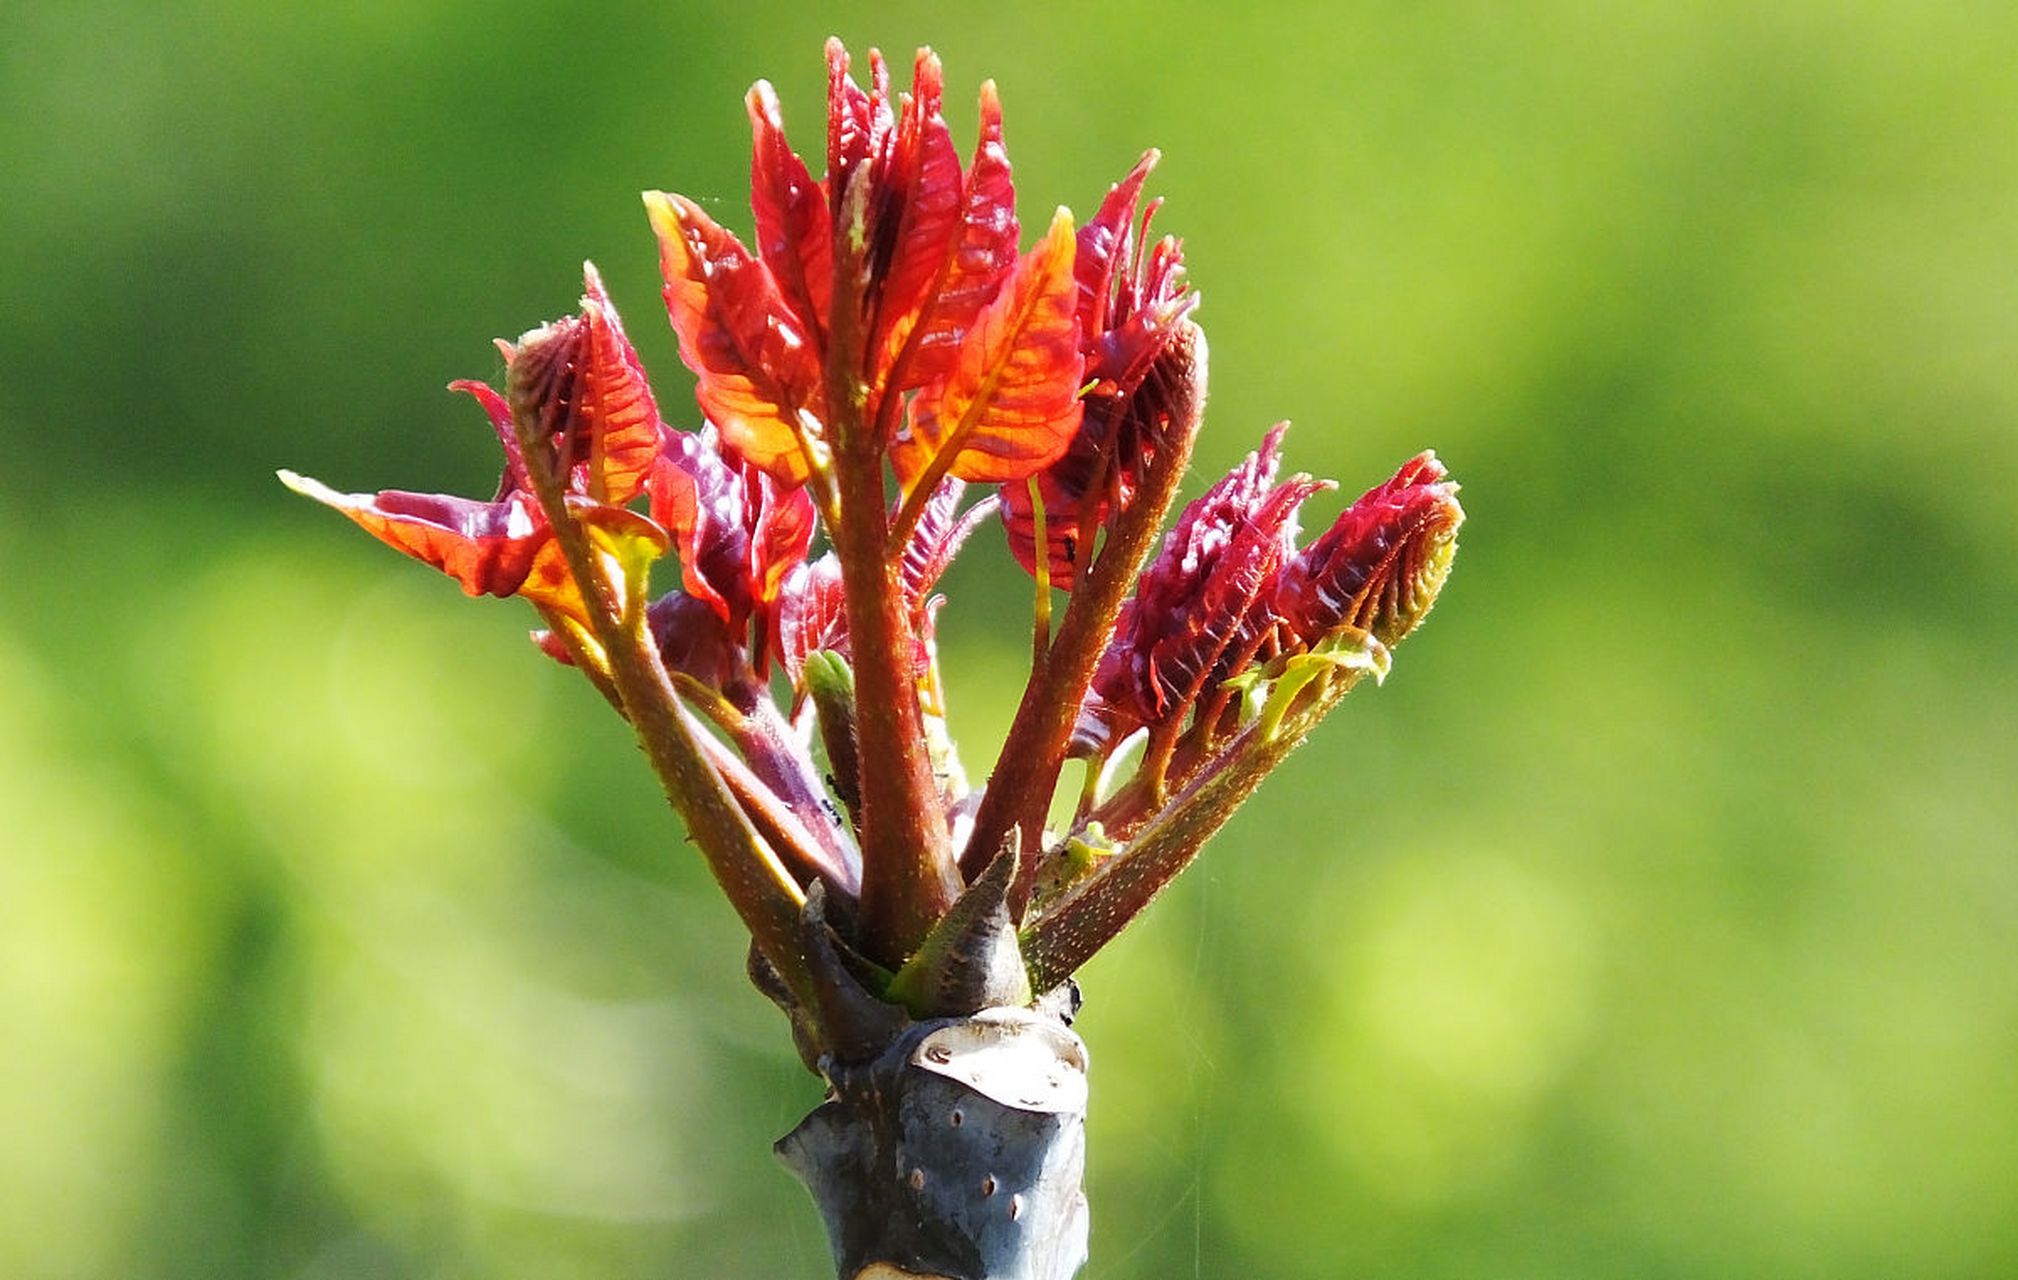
(308, 487)
(659, 207)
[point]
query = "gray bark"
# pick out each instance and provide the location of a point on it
(957, 1151)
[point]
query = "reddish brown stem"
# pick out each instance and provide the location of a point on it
(1019, 790)
(756, 884)
(1090, 913)
(908, 880)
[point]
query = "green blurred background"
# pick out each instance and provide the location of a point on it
(1656, 919)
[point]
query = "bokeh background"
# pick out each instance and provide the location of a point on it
(1657, 918)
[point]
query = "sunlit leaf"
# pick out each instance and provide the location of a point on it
(759, 376)
(915, 211)
(487, 547)
(975, 261)
(613, 401)
(781, 523)
(1010, 404)
(781, 532)
(550, 585)
(859, 124)
(924, 217)
(794, 225)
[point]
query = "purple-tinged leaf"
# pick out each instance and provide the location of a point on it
(698, 497)
(692, 639)
(1378, 568)
(1194, 601)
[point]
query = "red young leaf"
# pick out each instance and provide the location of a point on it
(541, 372)
(578, 386)
(795, 235)
(973, 263)
(622, 418)
(698, 497)
(1189, 609)
(781, 524)
(739, 532)
(1380, 565)
(781, 532)
(1010, 404)
(812, 614)
(1149, 302)
(759, 377)
(859, 125)
(938, 536)
(1133, 302)
(1104, 244)
(847, 124)
(488, 547)
(914, 214)
(500, 414)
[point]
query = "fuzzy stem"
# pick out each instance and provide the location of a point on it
(907, 876)
(762, 892)
(1087, 916)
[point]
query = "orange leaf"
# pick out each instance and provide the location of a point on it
(490, 548)
(550, 585)
(759, 376)
(1009, 405)
(623, 419)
